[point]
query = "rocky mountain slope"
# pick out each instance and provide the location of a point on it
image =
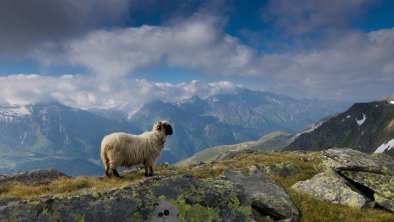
(272, 141)
(247, 186)
(230, 118)
(53, 135)
(364, 126)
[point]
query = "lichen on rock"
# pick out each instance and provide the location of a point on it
(268, 197)
(183, 198)
(329, 186)
(352, 178)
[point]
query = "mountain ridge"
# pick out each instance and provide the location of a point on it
(364, 126)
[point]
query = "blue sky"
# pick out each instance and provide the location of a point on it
(92, 54)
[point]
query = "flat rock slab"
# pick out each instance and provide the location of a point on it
(382, 186)
(329, 186)
(268, 197)
(35, 176)
(155, 199)
(340, 159)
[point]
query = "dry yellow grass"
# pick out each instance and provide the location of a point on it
(81, 185)
(64, 186)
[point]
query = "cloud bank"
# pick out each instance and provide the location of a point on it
(25, 25)
(341, 69)
(329, 59)
(91, 92)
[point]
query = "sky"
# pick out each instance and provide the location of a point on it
(113, 53)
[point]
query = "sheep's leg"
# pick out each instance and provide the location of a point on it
(146, 171)
(112, 167)
(151, 171)
(107, 173)
(115, 172)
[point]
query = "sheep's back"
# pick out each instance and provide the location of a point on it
(126, 149)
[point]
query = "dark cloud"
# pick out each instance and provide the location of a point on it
(25, 24)
(310, 16)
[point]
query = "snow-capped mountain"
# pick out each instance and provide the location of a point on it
(368, 127)
(230, 118)
(53, 135)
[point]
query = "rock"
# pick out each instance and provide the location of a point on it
(329, 186)
(165, 211)
(339, 159)
(372, 175)
(35, 176)
(268, 198)
(381, 185)
(280, 169)
(386, 203)
(155, 199)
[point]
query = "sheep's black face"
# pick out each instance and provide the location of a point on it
(167, 127)
(160, 125)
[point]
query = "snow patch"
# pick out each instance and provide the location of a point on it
(133, 112)
(391, 102)
(273, 100)
(361, 121)
(348, 117)
(9, 113)
(385, 146)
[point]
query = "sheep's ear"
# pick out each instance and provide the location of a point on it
(159, 125)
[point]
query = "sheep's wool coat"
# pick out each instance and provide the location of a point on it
(124, 149)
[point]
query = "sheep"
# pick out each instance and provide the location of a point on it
(122, 149)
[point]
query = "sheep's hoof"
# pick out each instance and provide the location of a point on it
(107, 174)
(115, 172)
(148, 174)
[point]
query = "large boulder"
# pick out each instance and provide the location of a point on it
(155, 199)
(268, 197)
(349, 173)
(329, 186)
(339, 159)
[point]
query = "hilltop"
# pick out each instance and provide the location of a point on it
(247, 186)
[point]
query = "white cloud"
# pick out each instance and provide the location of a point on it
(91, 92)
(360, 65)
(198, 43)
(346, 67)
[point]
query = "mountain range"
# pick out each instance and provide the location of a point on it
(230, 118)
(66, 138)
(367, 127)
(53, 135)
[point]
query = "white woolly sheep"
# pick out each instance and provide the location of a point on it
(122, 149)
